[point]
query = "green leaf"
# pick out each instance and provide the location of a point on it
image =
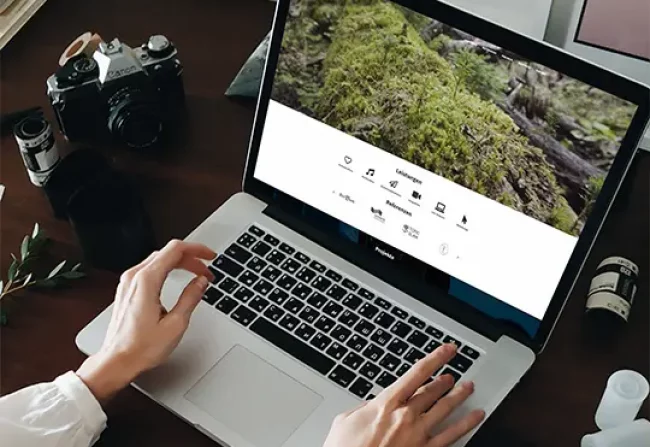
(56, 269)
(13, 269)
(24, 248)
(76, 267)
(27, 279)
(37, 231)
(3, 318)
(73, 275)
(49, 283)
(2, 286)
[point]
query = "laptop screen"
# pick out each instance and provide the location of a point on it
(453, 150)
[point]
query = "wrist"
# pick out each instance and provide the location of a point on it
(106, 375)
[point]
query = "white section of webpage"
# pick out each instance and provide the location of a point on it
(492, 247)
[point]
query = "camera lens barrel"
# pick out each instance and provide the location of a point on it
(37, 147)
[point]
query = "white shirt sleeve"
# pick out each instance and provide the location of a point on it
(55, 414)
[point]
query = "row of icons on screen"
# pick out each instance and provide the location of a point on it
(441, 207)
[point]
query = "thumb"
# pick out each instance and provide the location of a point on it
(190, 297)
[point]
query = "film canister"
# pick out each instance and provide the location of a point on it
(612, 289)
(37, 146)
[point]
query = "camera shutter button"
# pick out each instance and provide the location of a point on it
(159, 45)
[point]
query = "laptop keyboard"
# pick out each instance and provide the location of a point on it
(331, 323)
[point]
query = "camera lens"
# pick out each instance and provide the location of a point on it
(133, 118)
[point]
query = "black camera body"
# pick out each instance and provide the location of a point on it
(128, 95)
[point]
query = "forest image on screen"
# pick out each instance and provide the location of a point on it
(512, 130)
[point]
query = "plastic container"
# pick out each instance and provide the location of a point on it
(626, 390)
(632, 434)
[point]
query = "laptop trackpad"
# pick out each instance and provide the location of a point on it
(253, 398)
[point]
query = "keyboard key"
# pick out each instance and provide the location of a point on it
(342, 376)
(305, 332)
(226, 304)
(292, 346)
(320, 268)
(289, 322)
(276, 257)
(353, 361)
(301, 257)
(382, 303)
(350, 285)
(370, 396)
(320, 341)
(238, 253)
(332, 309)
(452, 373)
(369, 370)
(450, 339)
(317, 300)
(246, 240)
(309, 314)
(397, 347)
(381, 337)
(413, 355)
(340, 333)
(293, 305)
(352, 301)
(435, 333)
(470, 352)
(401, 329)
(271, 273)
(360, 387)
(243, 315)
(218, 275)
(331, 274)
(256, 231)
(273, 313)
(248, 278)
(290, 266)
(460, 363)
(385, 379)
(278, 296)
(337, 351)
(306, 274)
(368, 311)
(417, 323)
(243, 294)
(390, 362)
(272, 239)
(402, 369)
(288, 249)
(256, 264)
(336, 292)
(373, 352)
(227, 265)
(258, 304)
(263, 287)
(348, 318)
(417, 339)
(365, 293)
(301, 291)
(385, 320)
(432, 346)
(365, 328)
(399, 313)
(228, 285)
(321, 283)
(212, 295)
(357, 343)
(261, 249)
(324, 324)
(286, 281)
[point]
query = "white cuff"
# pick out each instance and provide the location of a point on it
(76, 391)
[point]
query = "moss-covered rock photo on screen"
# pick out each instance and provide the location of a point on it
(514, 131)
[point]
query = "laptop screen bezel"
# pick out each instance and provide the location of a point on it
(528, 48)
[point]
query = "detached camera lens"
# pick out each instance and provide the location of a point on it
(134, 120)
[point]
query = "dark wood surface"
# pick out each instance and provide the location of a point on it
(553, 405)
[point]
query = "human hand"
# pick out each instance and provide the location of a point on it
(406, 413)
(141, 333)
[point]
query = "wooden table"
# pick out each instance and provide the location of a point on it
(553, 405)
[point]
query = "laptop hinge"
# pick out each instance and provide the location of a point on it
(390, 272)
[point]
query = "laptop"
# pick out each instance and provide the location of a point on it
(416, 175)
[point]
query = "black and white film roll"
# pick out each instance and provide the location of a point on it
(613, 287)
(37, 146)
